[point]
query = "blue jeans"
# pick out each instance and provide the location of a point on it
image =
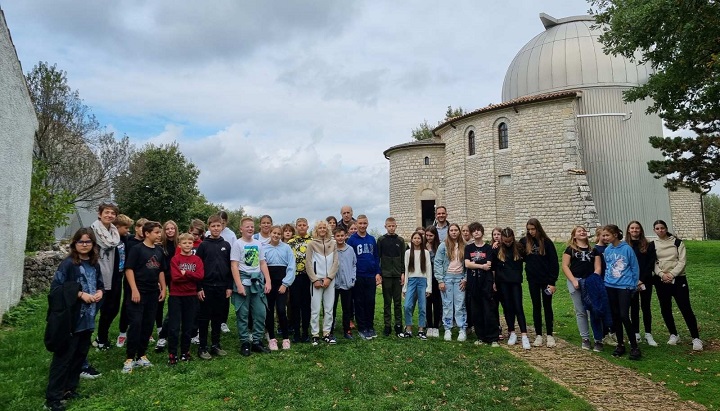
(453, 300)
(416, 287)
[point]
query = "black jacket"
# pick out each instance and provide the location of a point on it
(541, 269)
(215, 254)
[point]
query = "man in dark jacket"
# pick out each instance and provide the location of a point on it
(391, 249)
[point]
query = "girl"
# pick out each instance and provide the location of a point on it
(332, 223)
(622, 275)
(496, 238)
(481, 284)
(450, 273)
(322, 265)
(418, 284)
(352, 229)
(281, 264)
(541, 268)
(467, 238)
(580, 261)
(466, 235)
(508, 265)
(169, 246)
(635, 236)
(288, 232)
(263, 235)
(671, 282)
(434, 302)
(78, 275)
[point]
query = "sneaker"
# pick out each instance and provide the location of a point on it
(363, 334)
(538, 341)
(650, 340)
(286, 344)
(550, 341)
(224, 328)
(598, 346)
(462, 336)
(525, 342)
(217, 351)
(674, 339)
(634, 354)
(512, 339)
(610, 339)
(448, 335)
(348, 335)
(421, 335)
(585, 344)
(144, 362)
(245, 349)
(315, 341)
(161, 343)
(172, 359)
(71, 395)
(204, 354)
(305, 339)
(121, 340)
(128, 366)
(89, 373)
(186, 357)
(478, 342)
(637, 338)
(619, 351)
(330, 339)
(259, 348)
(272, 344)
(195, 340)
(697, 344)
(494, 344)
(372, 332)
(100, 346)
(398, 330)
(54, 406)
(406, 334)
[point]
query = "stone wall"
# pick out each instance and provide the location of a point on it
(40, 269)
(687, 217)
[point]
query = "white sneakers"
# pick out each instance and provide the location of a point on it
(637, 338)
(121, 340)
(526, 342)
(448, 335)
(650, 340)
(697, 344)
(512, 339)
(462, 336)
(538, 341)
(224, 328)
(128, 366)
(143, 362)
(674, 339)
(550, 341)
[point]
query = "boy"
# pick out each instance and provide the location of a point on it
(481, 287)
(344, 281)
(186, 270)
(129, 243)
(143, 270)
(252, 281)
(197, 228)
(368, 278)
(391, 249)
(215, 288)
(300, 288)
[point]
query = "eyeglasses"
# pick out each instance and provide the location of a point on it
(84, 242)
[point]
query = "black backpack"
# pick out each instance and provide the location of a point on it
(62, 313)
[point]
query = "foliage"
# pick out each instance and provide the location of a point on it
(679, 40)
(711, 208)
(202, 208)
(160, 184)
(453, 112)
(47, 209)
(422, 132)
(234, 217)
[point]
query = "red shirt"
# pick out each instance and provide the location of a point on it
(185, 271)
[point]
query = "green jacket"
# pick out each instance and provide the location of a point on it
(391, 249)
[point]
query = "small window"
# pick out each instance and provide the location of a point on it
(471, 143)
(502, 136)
(505, 180)
(427, 161)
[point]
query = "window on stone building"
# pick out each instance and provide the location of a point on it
(505, 179)
(427, 161)
(471, 143)
(502, 136)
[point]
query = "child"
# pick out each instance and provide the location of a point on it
(368, 277)
(391, 249)
(497, 295)
(228, 235)
(322, 266)
(467, 239)
(197, 228)
(622, 276)
(300, 290)
(481, 286)
(78, 275)
(418, 285)
(288, 231)
(332, 223)
(635, 236)
(600, 246)
(434, 301)
(450, 273)
(108, 239)
(508, 264)
(266, 224)
(186, 270)
(352, 228)
(214, 289)
(144, 271)
(281, 266)
(169, 245)
(130, 242)
(344, 281)
(252, 282)
(541, 268)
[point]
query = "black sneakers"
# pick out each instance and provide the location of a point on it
(634, 354)
(619, 351)
(259, 348)
(245, 349)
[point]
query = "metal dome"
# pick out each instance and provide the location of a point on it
(567, 55)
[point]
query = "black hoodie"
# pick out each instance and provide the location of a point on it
(215, 254)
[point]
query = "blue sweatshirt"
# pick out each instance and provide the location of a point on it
(281, 255)
(622, 268)
(368, 260)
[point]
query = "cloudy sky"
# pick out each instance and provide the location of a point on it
(285, 106)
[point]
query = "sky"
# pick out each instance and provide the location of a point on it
(285, 106)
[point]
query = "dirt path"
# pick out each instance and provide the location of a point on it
(603, 384)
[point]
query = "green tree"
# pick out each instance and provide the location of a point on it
(679, 39)
(422, 132)
(453, 112)
(47, 209)
(711, 208)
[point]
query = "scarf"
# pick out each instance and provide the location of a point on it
(107, 240)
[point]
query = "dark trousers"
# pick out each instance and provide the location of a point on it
(483, 307)
(159, 314)
(300, 302)
(109, 308)
(641, 300)
(66, 365)
(681, 292)
(276, 302)
(468, 301)
(392, 300)
(211, 312)
(127, 293)
(512, 296)
(345, 298)
(541, 302)
(181, 313)
(141, 317)
(364, 301)
(620, 300)
(433, 308)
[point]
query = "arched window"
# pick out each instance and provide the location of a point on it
(502, 136)
(427, 161)
(471, 143)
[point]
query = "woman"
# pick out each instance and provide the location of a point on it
(635, 236)
(508, 265)
(671, 282)
(450, 272)
(434, 301)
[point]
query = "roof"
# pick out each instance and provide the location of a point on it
(428, 142)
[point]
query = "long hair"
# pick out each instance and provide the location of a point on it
(614, 230)
(642, 240)
(436, 238)
(571, 242)
(664, 224)
(540, 236)
(164, 239)
(423, 260)
(508, 232)
(451, 244)
(93, 253)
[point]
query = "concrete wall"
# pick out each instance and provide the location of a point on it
(17, 127)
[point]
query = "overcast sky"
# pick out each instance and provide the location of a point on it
(285, 106)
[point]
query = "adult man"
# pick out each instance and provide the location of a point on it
(347, 217)
(441, 222)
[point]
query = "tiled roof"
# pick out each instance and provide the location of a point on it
(434, 141)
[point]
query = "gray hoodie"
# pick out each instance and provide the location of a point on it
(346, 274)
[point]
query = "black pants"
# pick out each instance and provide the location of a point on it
(392, 301)
(127, 293)
(276, 302)
(468, 301)
(642, 300)
(681, 292)
(433, 309)
(541, 302)
(141, 317)
(512, 296)
(109, 308)
(212, 312)
(345, 298)
(300, 302)
(364, 294)
(620, 300)
(483, 307)
(181, 313)
(66, 365)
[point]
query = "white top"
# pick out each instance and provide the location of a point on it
(416, 272)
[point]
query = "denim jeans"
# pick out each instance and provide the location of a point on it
(453, 300)
(416, 287)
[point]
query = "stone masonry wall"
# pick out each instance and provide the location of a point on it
(687, 215)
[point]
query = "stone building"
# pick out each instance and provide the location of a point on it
(562, 147)
(17, 127)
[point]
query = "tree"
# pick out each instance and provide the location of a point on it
(453, 112)
(679, 39)
(47, 209)
(422, 132)
(711, 208)
(160, 184)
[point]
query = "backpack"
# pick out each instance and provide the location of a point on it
(62, 312)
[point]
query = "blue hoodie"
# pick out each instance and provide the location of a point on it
(368, 260)
(622, 268)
